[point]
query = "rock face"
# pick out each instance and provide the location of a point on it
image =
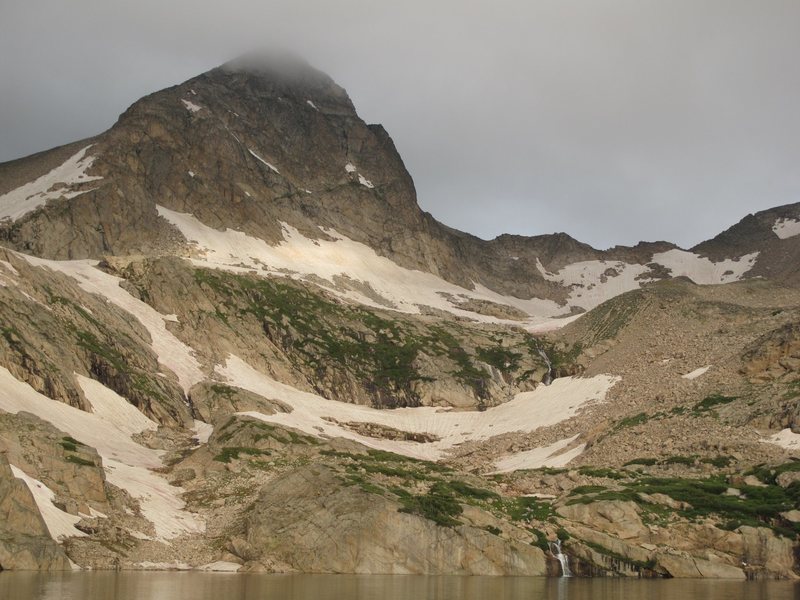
(25, 543)
(775, 355)
(311, 522)
(610, 538)
(265, 141)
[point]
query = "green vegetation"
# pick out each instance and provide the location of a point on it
(650, 564)
(323, 335)
(709, 402)
(441, 342)
(632, 421)
(607, 320)
(438, 505)
(562, 534)
(91, 343)
(255, 431)
(501, 358)
(718, 461)
(220, 389)
(702, 498)
(541, 540)
(769, 475)
(648, 462)
(602, 472)
(680, 460)
(79, 460)
(467, 491)
(230, 453)
(526, 508)
(70, 444)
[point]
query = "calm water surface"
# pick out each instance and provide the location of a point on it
(220, 586)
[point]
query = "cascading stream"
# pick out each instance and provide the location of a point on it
(562, 558)
(548, 377)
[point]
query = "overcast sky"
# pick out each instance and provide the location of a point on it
(612, 120)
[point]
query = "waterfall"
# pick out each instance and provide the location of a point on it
(548, 378)
(562, 558)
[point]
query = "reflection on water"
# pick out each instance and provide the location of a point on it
(221, 586)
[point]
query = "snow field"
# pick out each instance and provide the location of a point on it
(786, 228)
(60, 524)
(702, 270)
(546, 456)
(785, 438)
(52, 185)
(127, 464)
(298, 257)
(546, 405)
(171, 352)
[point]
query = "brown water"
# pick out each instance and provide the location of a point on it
(221, 586)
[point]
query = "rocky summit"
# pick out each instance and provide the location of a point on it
(231, 340)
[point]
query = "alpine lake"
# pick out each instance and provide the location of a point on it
(152, 585)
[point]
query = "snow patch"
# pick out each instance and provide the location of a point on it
(312, 105)
(702, 270)
(164, 566)
(786, 228)
(364, 181)
(592, 282)
(786, 438)
(191, 106)
(113, 408)
(696, 373)
(271, 166)
(299, 257)
(220, 566)
(536, 458)
(191, 173)
(544, 406)
(60, 524)
(127, 464)
(9, 267)
(171, 352)
(202, 431)
(50, 186)
(350, 168)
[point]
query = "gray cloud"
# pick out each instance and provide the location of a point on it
(612, 120)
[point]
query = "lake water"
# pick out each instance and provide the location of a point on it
(220, 586)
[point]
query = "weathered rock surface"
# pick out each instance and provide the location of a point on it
(309, 520)
(25, 543)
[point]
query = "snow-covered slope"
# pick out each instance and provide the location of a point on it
(128, 464)
(55, 184)
(312, 414)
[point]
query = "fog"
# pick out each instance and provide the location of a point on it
(612, 120)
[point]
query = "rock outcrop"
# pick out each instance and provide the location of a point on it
(25, 543)
(310, 521)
